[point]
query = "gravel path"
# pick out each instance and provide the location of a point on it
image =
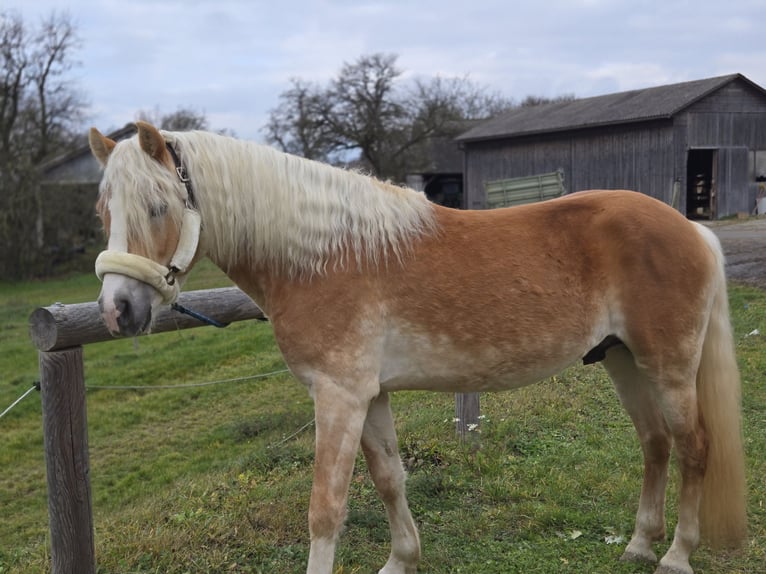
(744, 243)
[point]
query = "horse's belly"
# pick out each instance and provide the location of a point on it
(418, 361)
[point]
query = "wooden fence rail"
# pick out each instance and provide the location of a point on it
(58, 332)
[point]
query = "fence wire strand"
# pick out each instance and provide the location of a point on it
(34, 387)
(182, 385)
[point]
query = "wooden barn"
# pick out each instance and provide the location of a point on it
(699, 145)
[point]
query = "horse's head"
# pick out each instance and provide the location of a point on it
(148, 212)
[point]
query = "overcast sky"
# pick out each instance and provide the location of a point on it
(230, 59)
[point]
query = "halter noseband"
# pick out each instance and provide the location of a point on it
(162, 278)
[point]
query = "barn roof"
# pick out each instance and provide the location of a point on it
(124, 132)
(661, 102)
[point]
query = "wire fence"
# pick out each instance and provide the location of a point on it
(36, 386)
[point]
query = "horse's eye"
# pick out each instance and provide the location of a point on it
(158, 210)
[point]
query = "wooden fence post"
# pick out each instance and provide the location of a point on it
(65, 429)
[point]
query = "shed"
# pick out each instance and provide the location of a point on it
(699, 145)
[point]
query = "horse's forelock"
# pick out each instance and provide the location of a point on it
(143, 186)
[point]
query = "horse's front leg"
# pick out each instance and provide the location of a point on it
(381, 450)
(340, 415)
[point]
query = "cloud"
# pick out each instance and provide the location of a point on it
(232, 58)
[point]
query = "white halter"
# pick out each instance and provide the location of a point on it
(162, 278)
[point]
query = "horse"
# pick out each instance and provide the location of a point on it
(361, 278)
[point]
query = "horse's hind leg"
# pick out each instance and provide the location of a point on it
(637, 397)
(680, 407)
(380, 448)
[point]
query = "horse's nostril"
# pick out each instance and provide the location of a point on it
(122, 306)
(133, 317)
(124, 310)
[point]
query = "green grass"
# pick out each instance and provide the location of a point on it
(211, 480)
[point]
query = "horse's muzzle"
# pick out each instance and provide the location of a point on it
(126, 309)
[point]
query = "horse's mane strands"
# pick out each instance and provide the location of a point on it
(260, 205)
(144, 186)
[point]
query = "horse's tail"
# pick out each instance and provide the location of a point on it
(723, 517)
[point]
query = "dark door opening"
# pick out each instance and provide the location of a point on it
(701, 184)
(445, 189)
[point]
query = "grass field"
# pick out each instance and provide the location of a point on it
(217, 479)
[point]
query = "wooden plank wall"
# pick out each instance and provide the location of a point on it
(648, 156)
(639, 158)
(733, 121)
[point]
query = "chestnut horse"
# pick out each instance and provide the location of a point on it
(362, 280)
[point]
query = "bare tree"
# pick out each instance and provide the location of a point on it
(369, 113)
(532, 100)
(298, 126)
(181, 120)
(39, 112)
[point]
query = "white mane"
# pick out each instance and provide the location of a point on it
(267, 206)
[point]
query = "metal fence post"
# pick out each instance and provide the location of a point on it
(467, 411)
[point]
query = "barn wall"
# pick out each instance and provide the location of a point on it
(734, 194)
(648, 156)
(494, 160)
(636, 157)
(727, 129)
(735, 97)
(733, 121)
(629, 157)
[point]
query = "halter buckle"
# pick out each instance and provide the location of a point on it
(170, 278)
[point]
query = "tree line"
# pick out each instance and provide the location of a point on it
(369, 116)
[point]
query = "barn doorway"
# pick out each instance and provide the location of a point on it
(445, 189)
(701, 184)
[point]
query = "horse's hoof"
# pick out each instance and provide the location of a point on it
(661, 569)
(638, 556)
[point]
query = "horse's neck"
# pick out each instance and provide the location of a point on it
(263, 207)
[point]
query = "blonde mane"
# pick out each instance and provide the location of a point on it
(260, 205)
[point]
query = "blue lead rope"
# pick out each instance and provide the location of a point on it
(198, 316)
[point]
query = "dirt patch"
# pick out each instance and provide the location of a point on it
(744, 243)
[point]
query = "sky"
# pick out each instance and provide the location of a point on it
(230, 59)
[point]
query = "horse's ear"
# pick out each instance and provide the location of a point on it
(151, 140)
(100, 145)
